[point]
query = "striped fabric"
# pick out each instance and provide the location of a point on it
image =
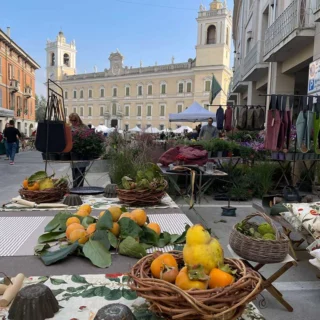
(14, 231)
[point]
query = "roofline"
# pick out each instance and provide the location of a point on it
(21, 52)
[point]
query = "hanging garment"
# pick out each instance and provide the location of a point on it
(273, 125)
(228, 119)
(283, 123)
(242, 118)
(235, 117)
(316, 127)
(259, 118)
(250, 116)
(220, 118)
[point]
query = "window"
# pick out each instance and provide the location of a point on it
(181, 87)
(101, 111)
(127, 111)
(211, 35)
(31, 83)
(66, 112)
(114, 92)
(19, 75)
(74, 109)
(10, 72)
(189, 87)
(179, 108)
(90, 111)
(66, 60)
(74, 94)
(81, 111)
(207, 85)
(161, 127)
(81, 94)
(53, 59)
(227, 37)
(149, 111)
(127, 91)
(162, 110)
(66, 95)
(114, 109)
(163, 88)
(139, 90)
(90, 93)
(150, 90)
(138, 111)
(126, 127)
(18, 103)
(102, 93)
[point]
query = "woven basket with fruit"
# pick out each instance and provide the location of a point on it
(41, 188)
(262, 243)
(198, 283)
(148, 187)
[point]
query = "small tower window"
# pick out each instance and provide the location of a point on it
(53, 59)
(227, 37)
(211, 35)
(66, 60)
(114, 92)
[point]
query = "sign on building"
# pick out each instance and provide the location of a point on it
(314, 77)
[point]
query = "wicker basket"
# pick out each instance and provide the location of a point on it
(259, 250)
(45, 196)
(141, 197)
(173, 303)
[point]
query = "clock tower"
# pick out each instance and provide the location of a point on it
(116, 64)
(61, 58)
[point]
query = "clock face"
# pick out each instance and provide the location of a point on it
(115, 69)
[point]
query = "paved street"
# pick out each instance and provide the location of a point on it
(300, 286)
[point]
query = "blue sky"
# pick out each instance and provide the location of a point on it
(147, 30)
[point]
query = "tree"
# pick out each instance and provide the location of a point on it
(41, 104)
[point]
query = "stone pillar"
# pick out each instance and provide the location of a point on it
(253, 95)
(280, 83)
(316, 50)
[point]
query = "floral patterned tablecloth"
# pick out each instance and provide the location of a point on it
(80, 297)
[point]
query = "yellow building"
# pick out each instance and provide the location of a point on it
(126, 97)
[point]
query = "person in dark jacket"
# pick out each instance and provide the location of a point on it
(209, 131)
(12, 136)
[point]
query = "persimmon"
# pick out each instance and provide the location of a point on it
(72, 220)
(34, 187)
(220, 278)
(91, 229)
(115, 229)
(72, 227)
(25, 183)
(162, 263)
(79, 235)
(127, 215)
(116, 212)
(86, 208)
(184, 282)
(140, 216)
(155, 227)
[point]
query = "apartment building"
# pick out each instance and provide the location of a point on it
(17, 85)
(275, 41)
(124, 97)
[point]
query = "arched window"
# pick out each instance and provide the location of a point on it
(211, 35)
(53, 59)
(114, 92)
(114, 109)
(227, 37)
(90, 93)
(81, 94)
(101, 92)
(66, 60)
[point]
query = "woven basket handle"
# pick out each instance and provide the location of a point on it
(266, 218)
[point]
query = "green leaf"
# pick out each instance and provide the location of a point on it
(56, 281)
(40, 248)
(102, 236)
(78, 279)
(113, 295)
(125, 279)
(164, 239)
(97, 253)
(182, 237)
(99, 291)
(129, 228)
(106, 292)
(40, 175)
(42, 279)
(57, 291)
(124, 209)
(114, 280)
(129, 294)
(87, 221)
(55, 222)
(105, 222)
(146, 246)
(149, 237)
(51, 236)
(49, 258)
(72, 289)
(131, 248)
(174, 237)
(88, 293)
(113, 240)
(178, 247)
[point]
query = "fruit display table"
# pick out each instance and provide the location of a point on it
(286, 264)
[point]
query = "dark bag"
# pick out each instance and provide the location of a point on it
(51, 131)
(291, 194)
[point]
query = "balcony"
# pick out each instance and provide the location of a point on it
(317, 11)
(27, 92)
(254, 68)
(14, 86)
(291, 31)
(236, 78)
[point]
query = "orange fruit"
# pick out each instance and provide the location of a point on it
(161, 263)
(139, 216)
(101, 214)
(127, 215)
(72, 227)
(220, 279)
(115, 212)
(155, 227)
(86, 208)
(72, 220)
(79, 235)
(82, 213)
(115, 229)
(91, 229)
(183, 281)
(25, 184)
(34, 187)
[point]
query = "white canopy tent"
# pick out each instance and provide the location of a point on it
(135, 129)
(182, 129)
(166, 130)
(102, 128)
(6, 113)
(195, 113)
(152, 130)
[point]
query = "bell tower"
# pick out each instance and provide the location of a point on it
(214, 35)
(61, 58)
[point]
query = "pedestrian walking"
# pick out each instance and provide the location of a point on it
(6, 143)
(12, 136)
(209, 131)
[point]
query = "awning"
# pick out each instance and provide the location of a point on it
(6, 113)
(195, 113)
